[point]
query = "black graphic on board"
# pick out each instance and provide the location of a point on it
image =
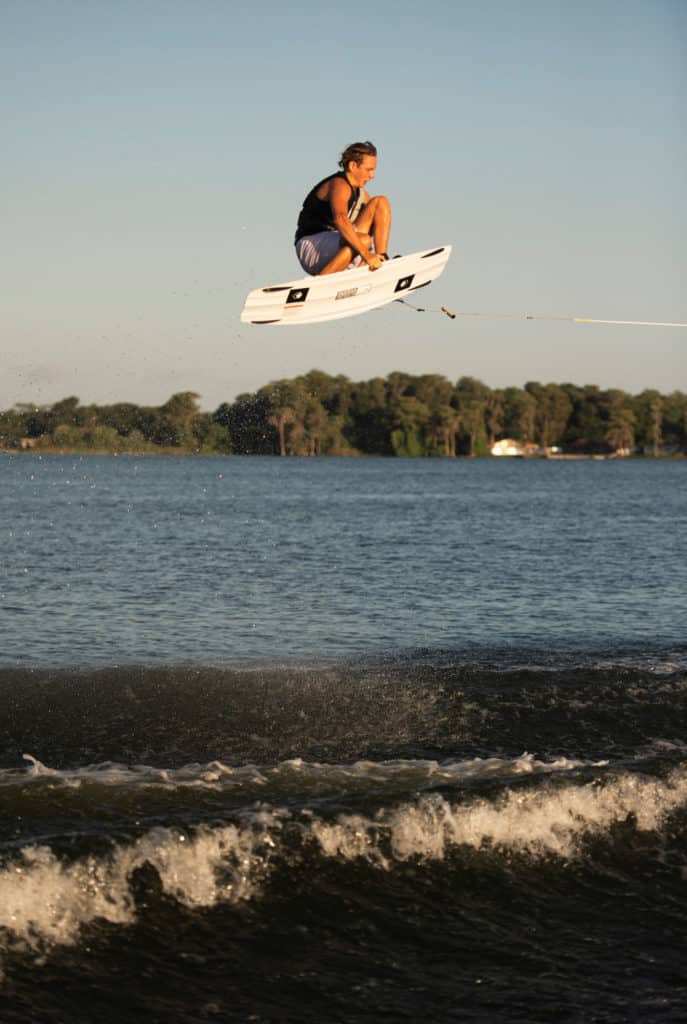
(297, 295)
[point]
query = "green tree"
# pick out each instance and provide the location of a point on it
(620, 432)
(39, 420)
(472, 397)
(553, 409)
(402, 414)
(316, 426)
(648, 407)
(210, 437)
(247, 421)
(586, 427)
(656, 410)
(675, 420)
(65, 411)
(519, 415)
(410, 418)
(286, 403)
(494, 416)
(88, 439)
(123, 416)
(12, 428)
(436, 393)
(177, 418)
(281, 418)
(370, 419)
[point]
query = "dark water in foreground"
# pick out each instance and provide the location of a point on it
(317, 741)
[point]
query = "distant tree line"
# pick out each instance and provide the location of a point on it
(402, 414)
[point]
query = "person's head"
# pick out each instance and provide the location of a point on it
(359, 161)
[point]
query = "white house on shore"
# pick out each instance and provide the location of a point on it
(507, 446)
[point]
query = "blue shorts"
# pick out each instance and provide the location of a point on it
(314, 252)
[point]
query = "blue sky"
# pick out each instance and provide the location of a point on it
(156, 155)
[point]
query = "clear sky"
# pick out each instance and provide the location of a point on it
(156, 154)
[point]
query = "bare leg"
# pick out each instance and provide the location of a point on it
(374, 223)
(345, 255)
(376, 218)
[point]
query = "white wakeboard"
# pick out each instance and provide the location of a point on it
(332, 296)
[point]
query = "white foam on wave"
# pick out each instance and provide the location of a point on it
(536, 822)
(212, 776)
(45, 900)
(321, 777)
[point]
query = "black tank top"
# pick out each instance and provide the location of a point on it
(316, 214)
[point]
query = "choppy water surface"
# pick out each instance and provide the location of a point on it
(327, 740)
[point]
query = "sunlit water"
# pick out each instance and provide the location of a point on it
(342, 740)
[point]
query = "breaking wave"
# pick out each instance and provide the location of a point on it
(530, 809)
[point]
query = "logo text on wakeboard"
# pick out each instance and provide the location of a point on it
(404, 283)
(346, 293)
(297, 295)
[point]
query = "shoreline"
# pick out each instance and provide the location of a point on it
(556, 457)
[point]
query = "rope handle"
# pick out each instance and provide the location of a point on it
(533, 316)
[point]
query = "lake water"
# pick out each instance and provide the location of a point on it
(342, 740)
(111, 560)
